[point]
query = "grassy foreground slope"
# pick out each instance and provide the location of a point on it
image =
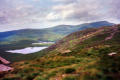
(83, 55)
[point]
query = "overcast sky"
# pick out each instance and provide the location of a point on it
(19, 14)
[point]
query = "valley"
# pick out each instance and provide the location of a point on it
(20, 39)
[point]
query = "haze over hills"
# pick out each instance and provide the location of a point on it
(90, 54)
(48, 34)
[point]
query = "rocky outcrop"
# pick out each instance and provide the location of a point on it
(4, 65)
(4, 61)
(4, 68)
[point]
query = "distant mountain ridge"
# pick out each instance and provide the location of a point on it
(48, 34)
(67, 29)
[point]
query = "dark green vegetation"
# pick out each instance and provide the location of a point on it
(19, 39)
(83, 55)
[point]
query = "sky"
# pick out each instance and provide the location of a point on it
(21, 14)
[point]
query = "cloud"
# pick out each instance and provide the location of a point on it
(114, 6)
(53, 16)
(87, 10)
(65, 1)
(78, 11)
(53, 12)
(19, 11)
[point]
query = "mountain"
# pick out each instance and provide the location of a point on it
(48, 34)
(90, 54)
(67, 29)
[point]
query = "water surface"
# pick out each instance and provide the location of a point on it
(27, 50)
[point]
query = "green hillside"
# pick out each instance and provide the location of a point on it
(91, 54)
